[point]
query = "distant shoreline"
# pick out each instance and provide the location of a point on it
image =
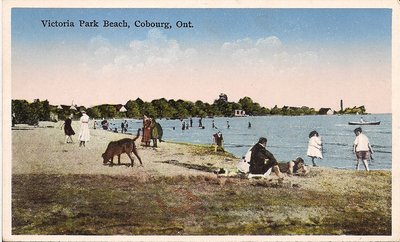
(162, 108)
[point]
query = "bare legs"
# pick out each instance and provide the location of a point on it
(313, 162)
(365, 162)
(68, 137)
(278, 172)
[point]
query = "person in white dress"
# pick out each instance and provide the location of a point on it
(84, 134)
(314, 147)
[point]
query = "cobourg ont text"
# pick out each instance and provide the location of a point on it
(114, 24)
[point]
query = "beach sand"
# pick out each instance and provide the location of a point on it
(42, 150)
(327, 201)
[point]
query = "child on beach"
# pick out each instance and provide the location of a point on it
(362, 148)
(218, 141)
(68, 131)
(314, 147)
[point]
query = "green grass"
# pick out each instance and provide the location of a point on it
(201, 149)
(190, 205)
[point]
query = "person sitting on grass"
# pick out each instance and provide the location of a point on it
(262, 160)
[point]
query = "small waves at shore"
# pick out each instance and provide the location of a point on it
(287, 136)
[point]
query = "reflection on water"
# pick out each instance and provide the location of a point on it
(288, 136)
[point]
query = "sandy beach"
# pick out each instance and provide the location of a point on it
(327, 201)
(42, 150)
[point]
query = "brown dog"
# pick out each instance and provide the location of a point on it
(116, 148)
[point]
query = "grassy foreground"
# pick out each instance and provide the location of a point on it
(62, 189)
(202, 205)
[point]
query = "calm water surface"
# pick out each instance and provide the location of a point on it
(288, 136)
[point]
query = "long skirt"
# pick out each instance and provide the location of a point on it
(146, 135)
(84, 134)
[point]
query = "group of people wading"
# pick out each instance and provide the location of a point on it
(261, 159)
(361, 148)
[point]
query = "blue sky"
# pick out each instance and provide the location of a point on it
(293, 25)
(334, 49)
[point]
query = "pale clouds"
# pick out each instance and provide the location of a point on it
(156, 51)
(253, 51)
(172, 68)
(269, 44)
(268, 54)
(202, 68)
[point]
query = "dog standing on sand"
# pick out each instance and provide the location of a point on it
(116, 148)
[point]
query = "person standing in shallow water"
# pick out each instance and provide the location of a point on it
(122, 126)
(126, 126)
(84, 134)
(314, 147)
(362, 148)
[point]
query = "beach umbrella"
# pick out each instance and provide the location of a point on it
(73, 108)
(59, 107)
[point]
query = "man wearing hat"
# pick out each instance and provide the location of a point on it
(84, 134)
(262, 160)
(362, 148)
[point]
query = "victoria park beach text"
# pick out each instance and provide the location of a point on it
(47, 23)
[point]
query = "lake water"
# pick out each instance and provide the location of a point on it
(288, 136)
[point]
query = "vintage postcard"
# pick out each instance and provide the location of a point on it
(200, 120)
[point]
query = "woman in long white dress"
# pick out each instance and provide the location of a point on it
(314, 147)
(84, 134)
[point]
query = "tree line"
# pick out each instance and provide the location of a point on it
(31, 113)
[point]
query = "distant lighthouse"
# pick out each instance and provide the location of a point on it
(341, 105)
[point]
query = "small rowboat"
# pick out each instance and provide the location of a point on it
(365, 123)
